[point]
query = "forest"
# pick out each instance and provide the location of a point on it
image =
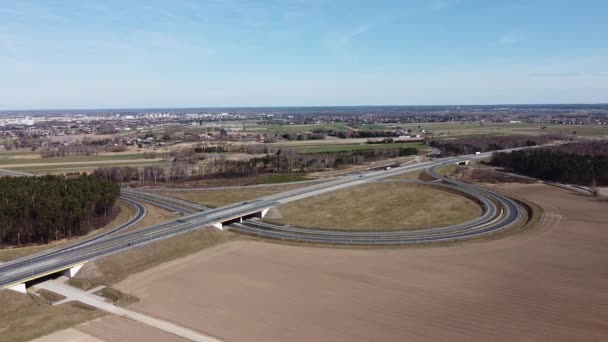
(286, 160)
(42, 209)
(470, 145)
(584, 163)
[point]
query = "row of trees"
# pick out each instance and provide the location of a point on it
(579, 163)
(41, 209)
(471, 145)
(303, 136)
(287, 160)
(71, 150)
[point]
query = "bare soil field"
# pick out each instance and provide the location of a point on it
(118, 329)
(380, 206)
(545, 284)
(70, 334)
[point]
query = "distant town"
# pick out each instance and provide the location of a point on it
(42, 129)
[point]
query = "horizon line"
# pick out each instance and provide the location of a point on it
(308, 106)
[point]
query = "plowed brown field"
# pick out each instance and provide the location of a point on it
(548, 284)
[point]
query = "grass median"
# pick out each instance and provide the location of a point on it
(380, 206)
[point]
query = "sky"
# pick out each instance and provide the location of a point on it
(197, 53)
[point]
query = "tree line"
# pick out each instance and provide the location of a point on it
(583, 163)
(471, 145)
(286, 160)
(41, 209)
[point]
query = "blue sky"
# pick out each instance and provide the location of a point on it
(190, 53)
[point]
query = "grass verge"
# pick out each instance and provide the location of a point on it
(114, 268)
(117, 297)
(154, 215)
(22, 318)
(219, 198)
(49, 296)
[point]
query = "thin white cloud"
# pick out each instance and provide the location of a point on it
(440, 5)
(344, 39)
(510, 38)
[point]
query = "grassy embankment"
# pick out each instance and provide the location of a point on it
(116, 267)
(219, 198)
(24, 317)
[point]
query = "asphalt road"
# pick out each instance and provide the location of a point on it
(22, 270)
(10, 173)
(499, 212)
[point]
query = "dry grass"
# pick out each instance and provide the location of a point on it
(117, 297)
(414, 175)
(49, 296)
(219, 198)
(126, 212)
(116, 267)
(82, 284)
(380, 206)
(154, 215)
(23, 319)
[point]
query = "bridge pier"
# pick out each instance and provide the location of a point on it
(18, 288)
(67, 272)
(260, 214)
(71, 272)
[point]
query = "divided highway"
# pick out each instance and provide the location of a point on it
(499, 213)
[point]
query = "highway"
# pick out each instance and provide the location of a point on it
(503, 212)
(499, 212)
(10, 173)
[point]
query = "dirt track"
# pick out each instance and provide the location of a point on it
(548, 284)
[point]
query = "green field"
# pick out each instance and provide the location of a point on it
(13, 158)
(457, 129)
(355, 147)
(77, 167)
(9, 154)
(282, 129)
(373, 127)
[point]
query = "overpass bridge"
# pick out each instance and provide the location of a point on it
(17, 273)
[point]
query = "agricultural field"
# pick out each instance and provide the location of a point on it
(457, 129)
(32, 162)
(357, 147)
(522, 286)
(282, 129)
(8, 159)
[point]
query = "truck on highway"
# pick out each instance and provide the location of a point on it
(180, 221)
